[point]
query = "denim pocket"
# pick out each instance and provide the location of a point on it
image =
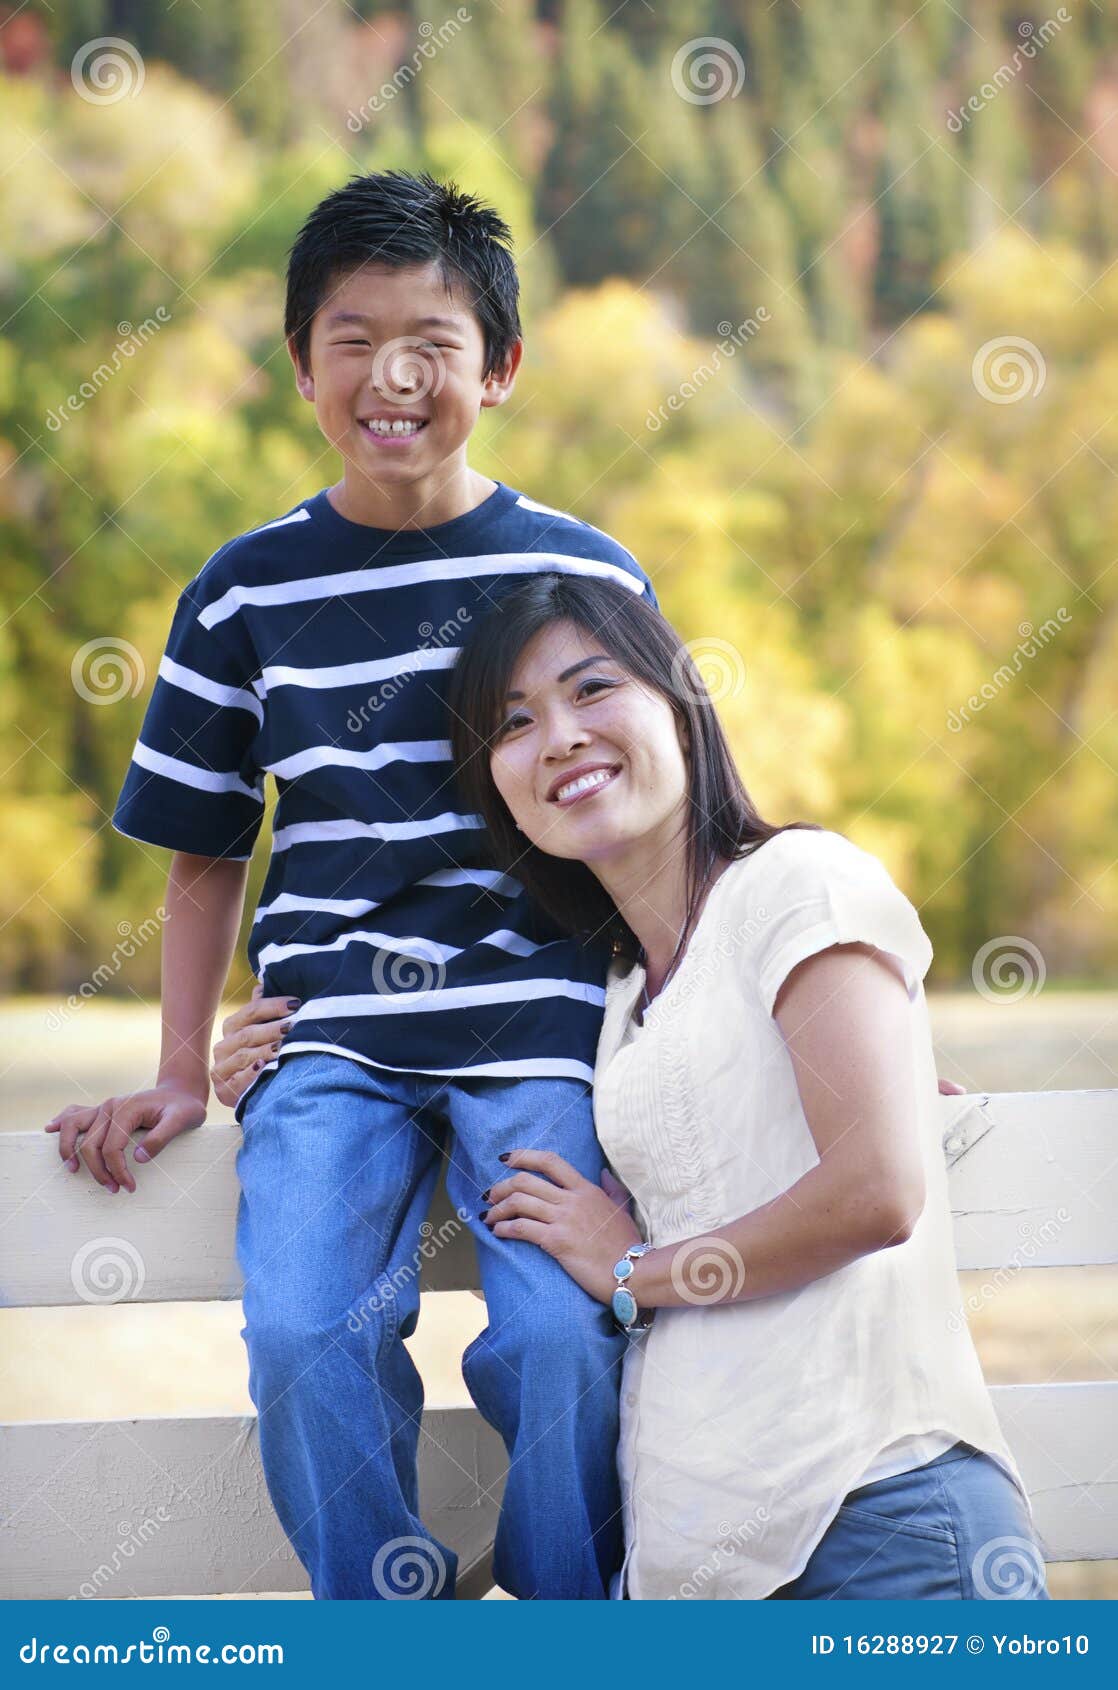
(912, 1502)
(872, 1557)
(912, 1527)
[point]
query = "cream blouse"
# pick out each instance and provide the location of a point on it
(744, 1425)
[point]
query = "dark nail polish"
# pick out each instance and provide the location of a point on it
(504, 1156)
(482, 1214)
(485, 1196)
(294, 1003)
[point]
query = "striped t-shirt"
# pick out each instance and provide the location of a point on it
(318, 650)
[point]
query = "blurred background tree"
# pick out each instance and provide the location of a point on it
(891, 491)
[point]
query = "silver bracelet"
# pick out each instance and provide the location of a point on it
(624, 1305)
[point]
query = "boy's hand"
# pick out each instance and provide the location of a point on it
(165, 1111)
(250, 1037)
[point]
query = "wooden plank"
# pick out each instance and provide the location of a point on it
(64, 1239)
(1033, 1180)
(154, 1506)
(1064, 1438)
(150, 1507)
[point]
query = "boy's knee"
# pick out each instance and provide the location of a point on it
(567, 1353)
(294, 1336)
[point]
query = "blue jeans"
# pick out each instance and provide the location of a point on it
(337, 1168)
(956, 1529)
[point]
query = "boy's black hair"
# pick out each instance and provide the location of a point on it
(393, 218)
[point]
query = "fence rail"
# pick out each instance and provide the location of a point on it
(178, 1506)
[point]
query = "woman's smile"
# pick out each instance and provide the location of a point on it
(584, 782)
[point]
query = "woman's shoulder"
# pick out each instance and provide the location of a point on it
(800, 861)
(811, 888)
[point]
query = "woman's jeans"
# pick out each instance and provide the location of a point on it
(956, 1529)
(337, 1168)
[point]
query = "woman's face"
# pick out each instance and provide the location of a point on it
(589, 760)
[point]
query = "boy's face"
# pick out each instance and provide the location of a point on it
(388, 346)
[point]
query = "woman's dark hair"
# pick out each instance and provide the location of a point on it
(396, 219)
(724, 820)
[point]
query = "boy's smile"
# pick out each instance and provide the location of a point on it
(397, 379)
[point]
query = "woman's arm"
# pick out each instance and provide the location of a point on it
(845, 1018)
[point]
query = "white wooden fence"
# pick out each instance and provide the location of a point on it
(179, 1505)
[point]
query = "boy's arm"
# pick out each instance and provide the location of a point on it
(205, 900)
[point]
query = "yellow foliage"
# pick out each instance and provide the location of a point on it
(169, 166)
(42, 210)
(50, 872)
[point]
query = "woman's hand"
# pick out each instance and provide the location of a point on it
(586, 1227)
(249, 1038)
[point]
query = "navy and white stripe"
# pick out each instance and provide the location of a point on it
(317, 650)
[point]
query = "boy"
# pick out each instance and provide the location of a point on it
(428, 999)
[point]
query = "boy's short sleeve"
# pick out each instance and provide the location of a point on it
(822, 890)
(193, 783)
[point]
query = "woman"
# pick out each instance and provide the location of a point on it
(803, 1412)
